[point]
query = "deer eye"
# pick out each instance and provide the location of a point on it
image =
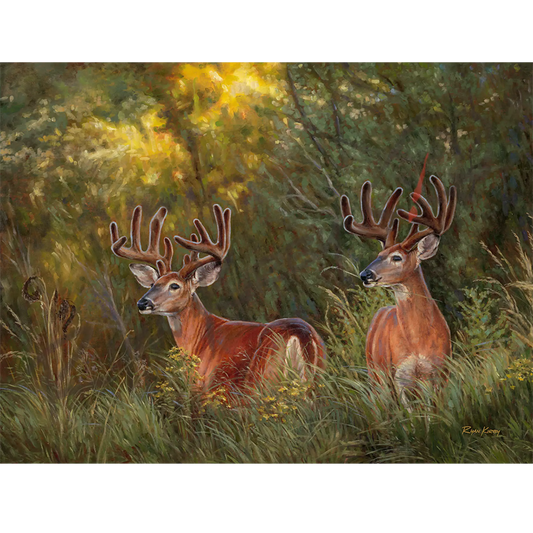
(397, 258)
(174, 286)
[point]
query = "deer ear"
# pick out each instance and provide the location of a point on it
(428, 247)
(144, 274)
(207, 275)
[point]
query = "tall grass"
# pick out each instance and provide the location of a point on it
(98, 414)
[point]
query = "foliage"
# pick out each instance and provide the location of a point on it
(348, 318)
(481, 320)
(520, 369)
(178, 380)
(82, 144)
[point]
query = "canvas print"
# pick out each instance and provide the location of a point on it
(266, 263)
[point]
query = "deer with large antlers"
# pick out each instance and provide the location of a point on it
(411, 340)
(233, 353)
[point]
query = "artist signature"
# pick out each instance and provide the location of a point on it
(469, 430)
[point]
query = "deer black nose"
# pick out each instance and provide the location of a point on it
(367, 275)
(144, 303)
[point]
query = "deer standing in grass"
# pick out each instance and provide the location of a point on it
(411, 340)
(233, 353)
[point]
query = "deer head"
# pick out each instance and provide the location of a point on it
(170, 292)
(397, 261)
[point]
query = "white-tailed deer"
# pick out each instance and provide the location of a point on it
(411, 340)
(236, 354)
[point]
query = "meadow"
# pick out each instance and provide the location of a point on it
(85, 378)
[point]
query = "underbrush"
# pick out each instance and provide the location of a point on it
(341, 420)
(60, 406)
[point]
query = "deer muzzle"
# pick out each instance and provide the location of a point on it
(145, 305)
(368, 276)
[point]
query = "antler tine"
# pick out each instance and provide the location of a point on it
(135, 230)
(389, 208)
(135, 252)
(366, 204)
(193, 256)
(434, 224)
(393, 233)
(216, 252)
(368, 227)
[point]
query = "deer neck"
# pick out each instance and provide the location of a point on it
(190, 326)
(417, 312)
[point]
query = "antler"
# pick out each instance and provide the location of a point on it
(434, 224)
(216, 251)
(368, 227)
(135, 252)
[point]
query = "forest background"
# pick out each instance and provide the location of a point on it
(83, 144)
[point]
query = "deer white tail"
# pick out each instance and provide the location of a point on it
(295, 357)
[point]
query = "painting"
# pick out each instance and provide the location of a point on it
(266, 263)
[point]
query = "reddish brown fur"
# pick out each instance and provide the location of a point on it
(414, 327)
(411, 340)
(236, 354)
(239, 354)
